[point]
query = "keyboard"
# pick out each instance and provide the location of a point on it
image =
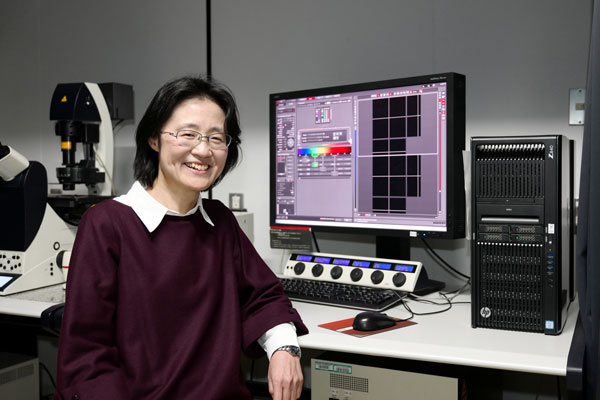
(340, 294)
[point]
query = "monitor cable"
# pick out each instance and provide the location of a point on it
(448, 301)
(448, 305)
(315, 240)
(458, 291)
(444, 263)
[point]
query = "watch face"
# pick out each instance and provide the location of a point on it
(293, 350)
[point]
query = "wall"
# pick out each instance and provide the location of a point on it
(520, 59)
(136, 42)
(43, 43)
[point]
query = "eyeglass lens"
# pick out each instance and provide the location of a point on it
(192, 139)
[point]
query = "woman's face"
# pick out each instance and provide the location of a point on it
(183, 170)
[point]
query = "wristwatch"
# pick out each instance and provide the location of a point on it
(293, 350)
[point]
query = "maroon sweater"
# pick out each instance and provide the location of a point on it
(164, 315)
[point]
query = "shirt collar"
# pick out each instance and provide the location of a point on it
(150, 211)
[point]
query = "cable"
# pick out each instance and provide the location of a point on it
(427, 301)
(49, 374)
(112, 186)
(208, 39)
(407, 307)
(468, 278)
(119, 122)
(315, 240)
(41, 364)
(282, 259)
(448, 301)
(402, 297)
(458, 291)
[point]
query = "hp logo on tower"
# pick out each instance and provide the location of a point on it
(485, 312)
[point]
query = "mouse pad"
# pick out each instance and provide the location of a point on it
(345, 326)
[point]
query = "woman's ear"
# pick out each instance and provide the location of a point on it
(153, 143)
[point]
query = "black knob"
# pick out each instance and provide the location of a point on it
(299, 268)
(376, 277)
(399, 279)
(336, 272)
(356, 274)
(317, 270)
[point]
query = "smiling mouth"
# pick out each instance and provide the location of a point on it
(197, 167)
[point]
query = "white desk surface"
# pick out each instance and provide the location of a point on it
(32, 302)
(442, 338)
(445, 338)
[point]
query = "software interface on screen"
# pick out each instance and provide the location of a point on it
(369, 159)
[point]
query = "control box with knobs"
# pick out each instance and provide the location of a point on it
(364, 271)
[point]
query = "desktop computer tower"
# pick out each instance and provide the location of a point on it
(522, 241)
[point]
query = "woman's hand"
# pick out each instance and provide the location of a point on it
(285, 376)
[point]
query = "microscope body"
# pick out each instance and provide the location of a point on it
(34, 237)
(82, 115)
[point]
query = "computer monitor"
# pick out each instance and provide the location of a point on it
(382, 158)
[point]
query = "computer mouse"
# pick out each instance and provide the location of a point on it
(372, 321)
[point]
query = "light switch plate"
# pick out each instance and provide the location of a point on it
(576, 106)
(236, 201)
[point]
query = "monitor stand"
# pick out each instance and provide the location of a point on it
(398, 248)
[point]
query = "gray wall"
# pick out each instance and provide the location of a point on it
(520, 59)
(43, 43)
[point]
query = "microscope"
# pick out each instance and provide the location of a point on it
(39, 230)
(33, 237)
(83, 113)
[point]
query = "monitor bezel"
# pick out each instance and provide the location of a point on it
(455, 142)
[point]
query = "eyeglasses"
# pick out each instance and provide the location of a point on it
(189, 138)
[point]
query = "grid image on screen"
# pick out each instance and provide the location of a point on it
(406, 156)
(396, 175)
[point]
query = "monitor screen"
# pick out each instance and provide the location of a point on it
(381, 157)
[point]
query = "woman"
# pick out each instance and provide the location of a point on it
(164, 290)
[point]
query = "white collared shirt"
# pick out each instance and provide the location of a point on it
(151, 213)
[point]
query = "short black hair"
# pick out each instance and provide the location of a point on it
(168, 97)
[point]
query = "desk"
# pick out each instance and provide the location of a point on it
(33, 302)
(445, 338)
(441, 338)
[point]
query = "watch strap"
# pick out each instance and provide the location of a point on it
(293, 350)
